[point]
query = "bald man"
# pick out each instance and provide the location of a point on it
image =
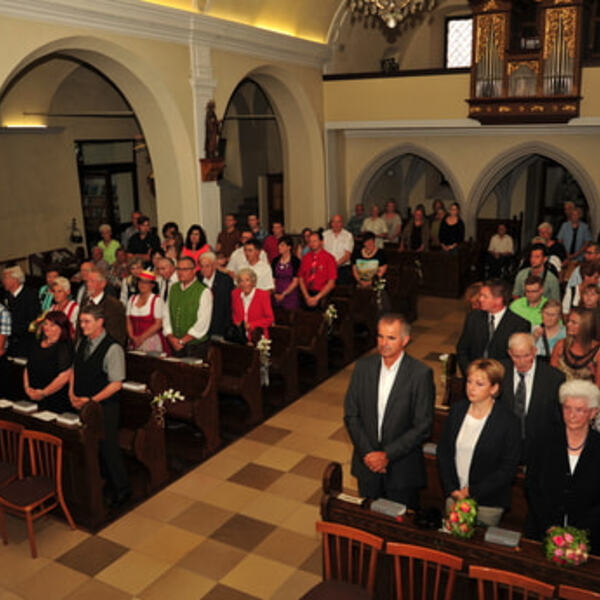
(530, 389)
(340, 243)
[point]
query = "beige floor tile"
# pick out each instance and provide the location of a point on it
(178, 583)
(212, 559)
(16, 565)
(244, 449)
(270, 508)
(300, 442)
(279, 458)
(294, 487)
(202, 519)
(296, 586)
(334, 451)
(133, 572)
(6, 594)
(96, 590)
(194, 485)
(222, 467)
(166, 505)
(52, 582)
(231, 496)
(258, 576)
(317, 427)
(169, 543)
(303, 520)
(131, 530)
(55, 539)
(287, 547)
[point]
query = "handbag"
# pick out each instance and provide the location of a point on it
(236, 334)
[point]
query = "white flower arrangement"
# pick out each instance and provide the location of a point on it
(331, 314)
(264, 347)
(169, 395)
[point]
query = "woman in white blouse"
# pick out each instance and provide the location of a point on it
(480, 447)
(376, 225)
(144, 316)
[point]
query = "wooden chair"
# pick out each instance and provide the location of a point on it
(39, 492)
(425, 573)
(506, 583)
(350, 561)
(10, 434)
(567, 592)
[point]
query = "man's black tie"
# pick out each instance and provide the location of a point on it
(520, 396)
(166, 290)
(491, 329)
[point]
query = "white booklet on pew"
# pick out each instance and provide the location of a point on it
(68, 418)
(134, 386)
(45, 415)
(25, 407)
(18, 360)
(4, 403)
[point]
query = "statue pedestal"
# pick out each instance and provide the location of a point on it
(211, 168)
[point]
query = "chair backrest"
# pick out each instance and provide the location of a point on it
(423, 573)
(566, 592)
(508, 584)
(45, 455)
(10, 434)
(350, 554)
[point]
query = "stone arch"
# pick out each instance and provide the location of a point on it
(168, 139)
(362, 182)
(505, 162)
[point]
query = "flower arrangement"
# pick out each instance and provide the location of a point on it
(331, 314)
(36, 325)
(444, 360)
(461, 518)
(379, 287)
(169, 395)
(264, 347)
(566, 546)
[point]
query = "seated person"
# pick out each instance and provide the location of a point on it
(144, 317)
(480, 447)
(46, 376)
(578, 355)
(540, 268)
(563, 479)
(369, 262)
(550, 330)
(251, 306)
(415, 236)
(530, 306)
(500, 251)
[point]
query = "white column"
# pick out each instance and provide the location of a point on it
(203, 88)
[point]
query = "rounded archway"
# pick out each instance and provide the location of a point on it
(535, 179)
(158, 113)
(407, 174)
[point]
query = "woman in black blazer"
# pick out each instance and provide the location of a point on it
(563, 475)
(480, 447)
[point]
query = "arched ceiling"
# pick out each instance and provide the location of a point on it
(306, 19)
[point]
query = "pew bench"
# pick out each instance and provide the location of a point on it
(284, 360)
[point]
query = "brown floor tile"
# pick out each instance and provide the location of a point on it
(178, 583)
(201, 518)
(231, 496)
(288, 547)
(314, 563)
(53, 582)
(294, 487)
(296, 586)
(96, 590)
(92, 555)
(341, 435)
(164, 506)
(315, 499)
(277, 457)
(311, 466)
(267, 434)
(223, 592)
(242, 532)
(303, 520)
(130, 529)
(212, 559)
(270, 508)
(256, 476)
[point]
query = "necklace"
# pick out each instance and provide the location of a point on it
(575, 448)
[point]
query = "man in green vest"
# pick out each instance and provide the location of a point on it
(189, 310)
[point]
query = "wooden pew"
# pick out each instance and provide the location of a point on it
(284, 359)
(528, 559)
(240, 376)
(82, 482)
(197, 383)
(342, 331)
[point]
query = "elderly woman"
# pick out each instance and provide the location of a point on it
(46, 377)
(578, 355)
(61, 290)
(144, 316)
(129, 285)
(480, 447)
(393, 222)
(563, 479)
(251, 306)
(551, 330)
(376, 225)
(108, 246)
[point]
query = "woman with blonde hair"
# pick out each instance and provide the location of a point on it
(551, 330)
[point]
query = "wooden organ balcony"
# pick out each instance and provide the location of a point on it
(536, 81)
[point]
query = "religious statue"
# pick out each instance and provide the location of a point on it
(213, 132)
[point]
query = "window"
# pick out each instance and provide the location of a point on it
(459, 42)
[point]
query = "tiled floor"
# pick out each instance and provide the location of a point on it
(240, 526)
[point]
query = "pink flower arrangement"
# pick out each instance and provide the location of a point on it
(566, 546)
(461, 518)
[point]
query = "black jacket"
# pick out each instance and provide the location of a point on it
(24, 309)
(221, 315)
(495, 458)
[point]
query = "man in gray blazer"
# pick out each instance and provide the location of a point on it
(388, 414)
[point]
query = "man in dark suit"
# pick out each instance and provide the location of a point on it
(535, 400)
(221, 286)
(24, 307)
(389, 413)
(112, 309)
(485, 332)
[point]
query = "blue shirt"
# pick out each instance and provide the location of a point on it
(582, 235)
